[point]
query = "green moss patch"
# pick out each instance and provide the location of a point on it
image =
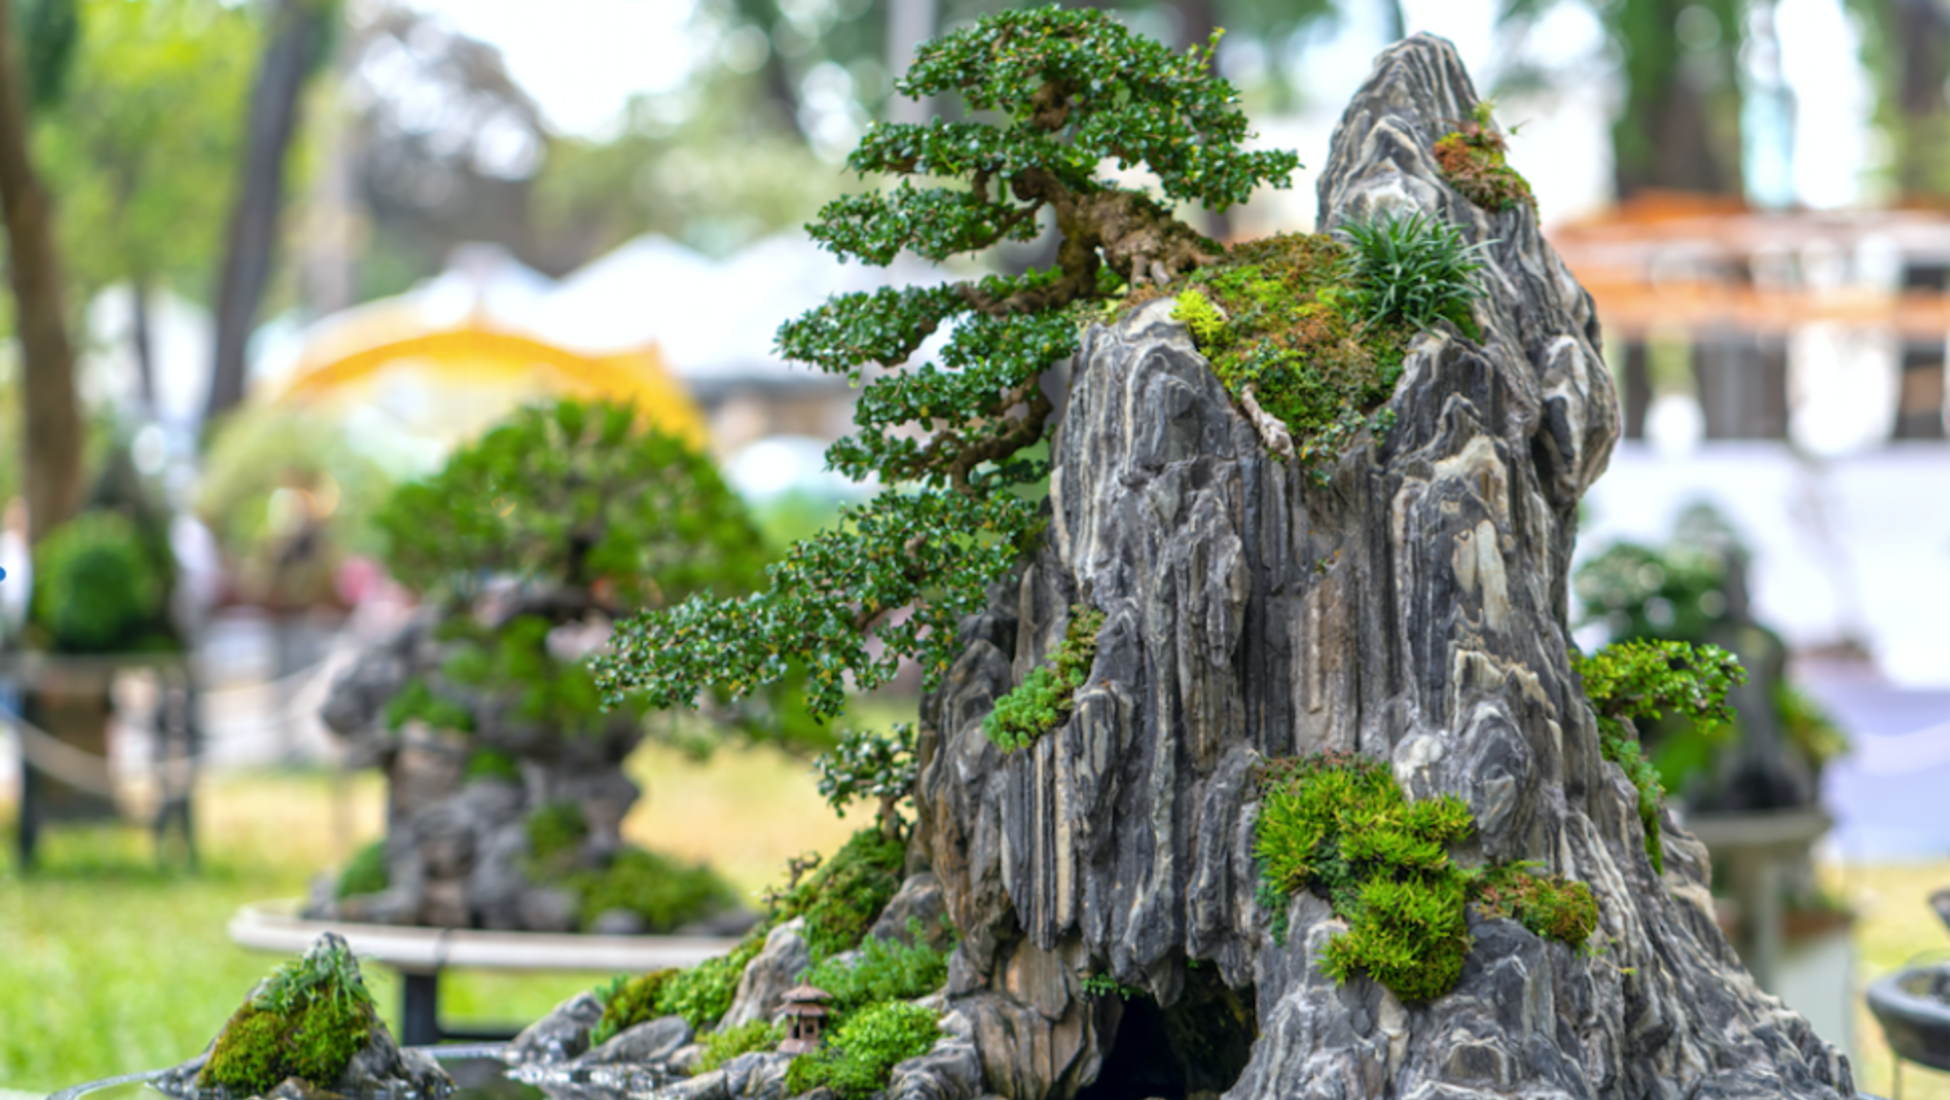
(722, 1046)
(306, 1021)
(365, 872)
(1473, 160)
(1044, 698)
(844, 896)
(886, 970)
(1278, 317)
(1340, 826)
(860, 1057)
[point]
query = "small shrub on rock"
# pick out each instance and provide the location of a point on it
(1474, 160)
(628, 1002)
(1044, 698)
(886, 970)
(722, 1046)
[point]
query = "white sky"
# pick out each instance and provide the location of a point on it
(582, 59)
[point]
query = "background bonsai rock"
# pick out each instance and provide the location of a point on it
(506, 785)
(1339, 558)
(308, 1030)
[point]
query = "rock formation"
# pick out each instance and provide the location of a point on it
(1411, 609)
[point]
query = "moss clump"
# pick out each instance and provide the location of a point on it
(1551, 906)
(722, 1046)
(859, 1059)
(556, 831)
(1278, 317)
(842, 898)
(1044, 698)
(887, 970)
(1646, 679)
(491, 764)
(306, 1021)
(665, 893)
(365, 872)
(628, 1002)
(417, 701)
(1340, 826)
(1474, 161)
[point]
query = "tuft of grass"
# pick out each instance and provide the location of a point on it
(860, 1057)
(1412, 271)
(307, 1020)
(1044, 698)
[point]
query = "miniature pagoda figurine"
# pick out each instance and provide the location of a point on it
(805, 1008)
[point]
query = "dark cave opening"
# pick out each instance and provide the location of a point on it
(1194, 1050)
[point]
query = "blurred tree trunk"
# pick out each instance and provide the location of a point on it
(299, 30)
(1906, 46)
(1680, 130)
(52, 433)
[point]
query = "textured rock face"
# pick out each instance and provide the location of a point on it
(1411, 609)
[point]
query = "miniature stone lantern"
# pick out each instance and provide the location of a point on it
(805, 1009)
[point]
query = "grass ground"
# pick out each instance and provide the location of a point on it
(108, 965)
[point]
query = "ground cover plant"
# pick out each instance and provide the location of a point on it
(863, 1051)
(1046, 696)
(1474, 159)
(1339, 825)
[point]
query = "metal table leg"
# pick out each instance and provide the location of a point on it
(419, 1012)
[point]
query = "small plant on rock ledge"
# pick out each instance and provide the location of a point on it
(1053, 98)
(1642, 680)
(1474, 161)
(1045, 697)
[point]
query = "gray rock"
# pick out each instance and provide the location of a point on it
(685, 1058)
(651, 1041)
(776, 969)
(757, 1075)
(919, 900)
(705, 1086)
(618, 922)
(559, 1036)
(1411, 609)
(548, 909)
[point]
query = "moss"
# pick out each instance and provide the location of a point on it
(1279, 317)
(702, 994)
(860, 1058)
(1474, 161)
(417, 701)
(1044, 698)
(665, 893)
(556, 831)
(306, 1021)
(1340, 826)
(887, 970)
(841, 899)
(491, 764)
(628, 1002)
(722, 1046)
(1551, 906)
(365, 872)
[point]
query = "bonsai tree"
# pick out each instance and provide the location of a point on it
(527, 546)
(958, 443)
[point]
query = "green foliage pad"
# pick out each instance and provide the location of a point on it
(1644, 679)
(1051, 95)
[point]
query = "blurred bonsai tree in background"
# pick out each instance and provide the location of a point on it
(526, 547)
(1694, 590)
(1053, 95)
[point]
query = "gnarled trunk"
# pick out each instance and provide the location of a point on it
(1411, 609)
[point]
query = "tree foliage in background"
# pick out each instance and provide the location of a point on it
(143, 146)
(1067, 91)
(1906, 49)
(1678, 127)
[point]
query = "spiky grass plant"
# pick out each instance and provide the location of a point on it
(1413, 270)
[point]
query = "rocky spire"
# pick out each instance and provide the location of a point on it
(1410, 607)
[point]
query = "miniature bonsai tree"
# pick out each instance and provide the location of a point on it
(1052, 96)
